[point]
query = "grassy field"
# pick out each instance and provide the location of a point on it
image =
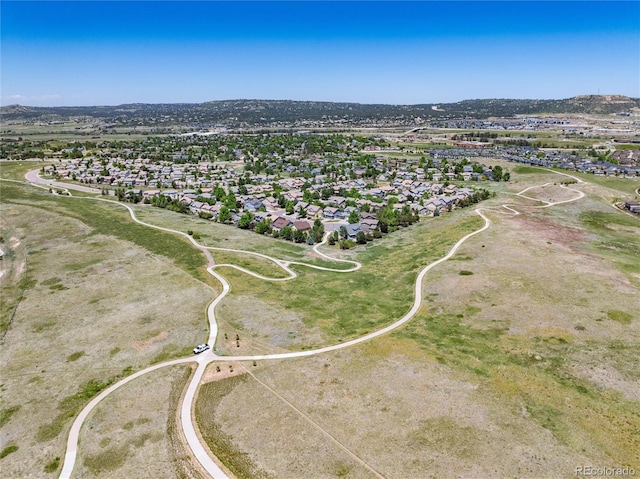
(620, 185)
(110, 219)
(126, 438)
(69, 132)
(95, 308)
(224, 236)
(15, 170)
(342, 306)
(523, 361)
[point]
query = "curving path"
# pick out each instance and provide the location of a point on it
(202, 455)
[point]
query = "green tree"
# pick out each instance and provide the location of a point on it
(289, 206)
(224, 215)
(120, 194)
(299, 236)
(245, 220)
(287, 233)
(317, 231)
(263, 226)
(230, 201)
(354, 217)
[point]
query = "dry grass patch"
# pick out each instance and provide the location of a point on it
(274, 423)
(105, 307)
(551, 193)
(261, 325)
(127, 437)
(403, 417)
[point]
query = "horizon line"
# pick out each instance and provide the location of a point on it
(315, 101)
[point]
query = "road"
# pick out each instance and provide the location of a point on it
(200, 453)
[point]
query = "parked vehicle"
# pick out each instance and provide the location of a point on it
(200, 348)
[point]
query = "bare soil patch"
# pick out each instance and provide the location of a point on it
(551, 193)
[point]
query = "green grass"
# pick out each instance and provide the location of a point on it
(75, 356)
(627, 146)
(617, 239)
(623, 185)
(252, 263)
(8, 450)
(16, 170)
(79, 266)
(6, 414)
(108, 460)
(619, 316)
(465, 272)
(112, 220)
(52, 466)
(345, 305)
(527, 170)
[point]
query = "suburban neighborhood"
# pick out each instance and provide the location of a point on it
(299, 186)
(286, 194)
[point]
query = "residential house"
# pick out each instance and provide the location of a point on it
(281, 222)
(302, 225)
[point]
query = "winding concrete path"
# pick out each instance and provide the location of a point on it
(202, 455)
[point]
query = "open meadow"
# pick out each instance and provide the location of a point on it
(90, 307)
(521, 362)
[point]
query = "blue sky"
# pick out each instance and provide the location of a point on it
(110, 53)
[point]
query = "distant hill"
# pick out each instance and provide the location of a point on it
(252, 113)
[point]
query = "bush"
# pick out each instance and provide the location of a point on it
(52, 466)
(346, 244)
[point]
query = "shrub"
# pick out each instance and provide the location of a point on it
(52, 466)
(8, 450)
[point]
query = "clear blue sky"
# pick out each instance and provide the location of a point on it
(109, 53)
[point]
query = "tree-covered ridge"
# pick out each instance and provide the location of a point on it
(251, 113)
